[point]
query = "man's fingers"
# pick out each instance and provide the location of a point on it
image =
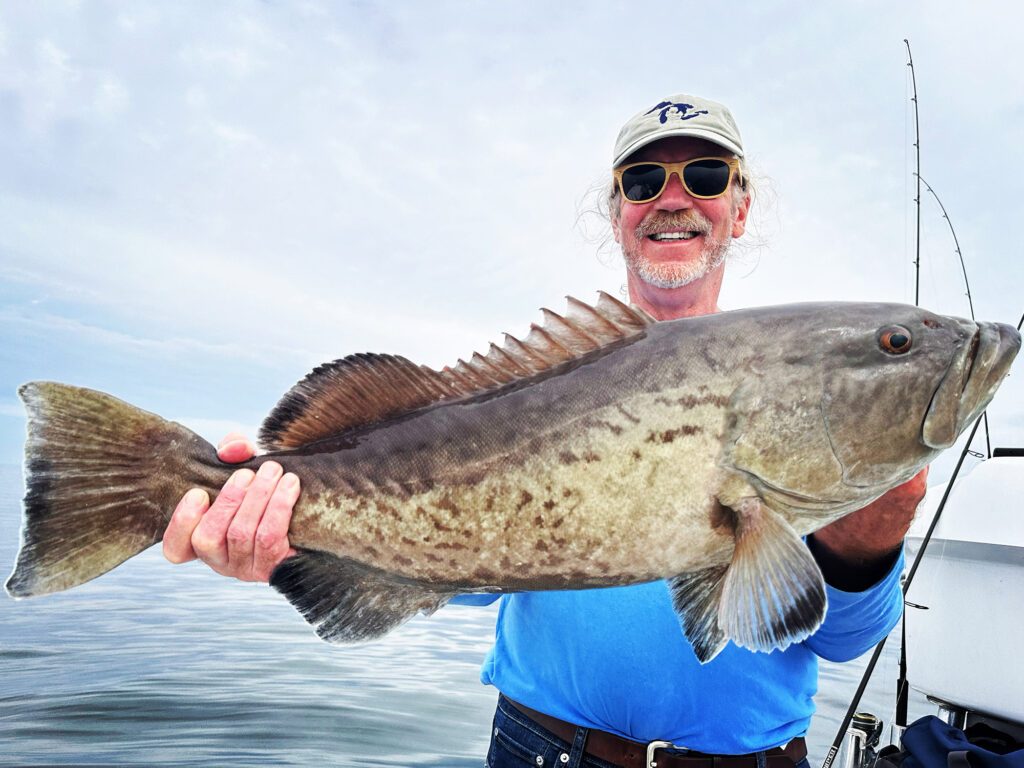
(241, 534)
(209, 540)
(271, 545)
(235, 447)
(177, 544)
(244, 533)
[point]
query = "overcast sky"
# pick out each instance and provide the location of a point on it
(200, 201)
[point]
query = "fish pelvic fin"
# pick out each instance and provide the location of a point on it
(771, 594)
(349, 602)
(366, 389)
(696, 597)
(102, 478)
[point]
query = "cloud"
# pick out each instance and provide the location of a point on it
(236, 61)
(45, 324)
(111, 98)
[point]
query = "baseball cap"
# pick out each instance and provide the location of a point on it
(679, 115)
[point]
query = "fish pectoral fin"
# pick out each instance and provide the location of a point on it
(347, 601)
(769, 596)
(695, 597)
(773, 593)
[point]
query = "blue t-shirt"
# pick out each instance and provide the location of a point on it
(616, 660)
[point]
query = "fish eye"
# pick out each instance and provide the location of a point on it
(895, 340)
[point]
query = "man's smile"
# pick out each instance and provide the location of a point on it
(668, 236)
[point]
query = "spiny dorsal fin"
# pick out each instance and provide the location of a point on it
(366, 389)
(583, 329)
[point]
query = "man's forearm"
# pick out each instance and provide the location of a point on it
(856, 551)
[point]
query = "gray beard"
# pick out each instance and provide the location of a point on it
(669, 275)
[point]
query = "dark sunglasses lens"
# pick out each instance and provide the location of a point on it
(642, 182)
(707, 178)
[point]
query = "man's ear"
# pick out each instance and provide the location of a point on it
(739, 222)
(616, 229)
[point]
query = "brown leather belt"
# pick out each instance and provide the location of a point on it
(633, 754)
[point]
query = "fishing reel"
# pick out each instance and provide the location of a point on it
(862, 740)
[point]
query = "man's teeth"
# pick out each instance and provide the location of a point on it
(674, 235)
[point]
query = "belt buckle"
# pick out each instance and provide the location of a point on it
(652, 747)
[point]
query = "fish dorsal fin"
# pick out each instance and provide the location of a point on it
(340, 396)
(582, 330)
(365, 389)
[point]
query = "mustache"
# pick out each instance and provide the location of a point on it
(661, 221)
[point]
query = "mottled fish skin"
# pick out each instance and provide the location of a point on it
(533, 508)
(603, 450)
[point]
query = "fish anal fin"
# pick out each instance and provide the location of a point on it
(347, 601)
(366, 389)
(773, 593)
(695, 597)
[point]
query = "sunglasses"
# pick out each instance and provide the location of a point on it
(702, 177)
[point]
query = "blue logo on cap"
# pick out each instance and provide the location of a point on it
(682, 110)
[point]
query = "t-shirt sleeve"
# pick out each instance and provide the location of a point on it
(856, 621)
(475, 599)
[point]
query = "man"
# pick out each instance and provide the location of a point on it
(599, 677)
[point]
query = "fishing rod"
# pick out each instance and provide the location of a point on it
(967, 284)
(956, 242)
(917, 199)
(917, 237)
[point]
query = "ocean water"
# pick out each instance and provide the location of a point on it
(162, 665)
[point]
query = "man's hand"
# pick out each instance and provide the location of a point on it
(244, 533)
(857, 550)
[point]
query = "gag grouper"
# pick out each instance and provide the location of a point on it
(604, 449)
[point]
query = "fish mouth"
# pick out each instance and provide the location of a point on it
(970, 382)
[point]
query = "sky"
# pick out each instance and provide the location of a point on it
(199, 202)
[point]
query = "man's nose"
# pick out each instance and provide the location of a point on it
(674, 197)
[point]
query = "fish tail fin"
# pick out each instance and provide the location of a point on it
(102, 480)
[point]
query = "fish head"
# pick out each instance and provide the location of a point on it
(857, 398)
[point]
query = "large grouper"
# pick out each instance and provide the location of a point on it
(604, 449)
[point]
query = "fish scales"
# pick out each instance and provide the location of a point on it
(604, 449)
(583, 480)
(612, 449)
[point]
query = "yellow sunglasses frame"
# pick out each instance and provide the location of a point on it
(677, 169)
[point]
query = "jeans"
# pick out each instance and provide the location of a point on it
(518, 742)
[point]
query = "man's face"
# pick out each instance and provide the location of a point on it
(676, 239)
